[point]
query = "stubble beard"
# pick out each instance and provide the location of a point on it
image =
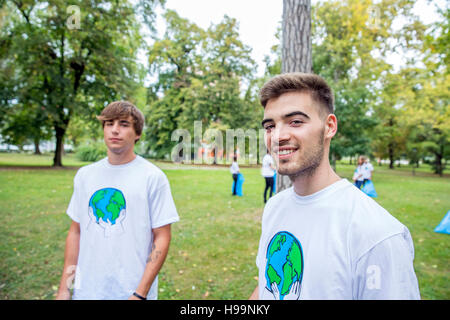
(308, 164)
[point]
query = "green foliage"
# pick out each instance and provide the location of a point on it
(383, 110)
(200, 78)
(350, 42)
(25, 124)
(68, 71)
(91, 152)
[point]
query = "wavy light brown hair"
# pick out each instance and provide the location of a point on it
(122, 110)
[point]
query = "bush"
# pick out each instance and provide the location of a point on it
(91, 152)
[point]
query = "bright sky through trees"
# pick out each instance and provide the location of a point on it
(258, 19)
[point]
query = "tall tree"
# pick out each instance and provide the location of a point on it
(68, 67)
(351, 43)
(296, 53)
(199, 79)
(296, 36)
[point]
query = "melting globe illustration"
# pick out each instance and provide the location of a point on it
(284, 266)
(107, 208)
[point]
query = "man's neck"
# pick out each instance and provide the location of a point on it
(322, 177)
(121, 158)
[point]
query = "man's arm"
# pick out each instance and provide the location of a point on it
(386, 272)
(70, 260)
(254, 295)
(161, 241)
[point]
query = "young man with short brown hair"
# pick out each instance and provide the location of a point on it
(323, 238)
(122, 210)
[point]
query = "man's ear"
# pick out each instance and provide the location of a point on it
(331, 126)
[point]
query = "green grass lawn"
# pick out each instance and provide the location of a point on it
(29, 160)
(214, 245)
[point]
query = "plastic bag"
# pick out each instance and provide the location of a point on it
(275, 182)
(444, 226)
(240, 181)
(369, 189)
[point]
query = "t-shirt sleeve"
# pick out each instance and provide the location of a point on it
(386, 271)
(162, 206)
(260, 255)
(73, 210)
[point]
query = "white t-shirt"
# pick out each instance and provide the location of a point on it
(367, 171)
(363, 171)
(234, 169)
(117, 206)
(266, 170)
(337, 243)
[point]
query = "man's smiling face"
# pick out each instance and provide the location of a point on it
(294, 133)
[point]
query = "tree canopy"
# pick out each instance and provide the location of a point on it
(61, 63)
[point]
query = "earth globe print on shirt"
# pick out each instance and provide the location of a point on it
(284, 266)
(107, 208)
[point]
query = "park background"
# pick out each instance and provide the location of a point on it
(60, 65)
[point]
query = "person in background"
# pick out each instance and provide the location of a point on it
(234, 169)
(363, 172)
(369, 170)
(268, 171)
(358, 174)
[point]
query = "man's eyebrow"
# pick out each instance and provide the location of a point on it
(296, 113)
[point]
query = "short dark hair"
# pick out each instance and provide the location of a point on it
(122, 110)
(299, 82)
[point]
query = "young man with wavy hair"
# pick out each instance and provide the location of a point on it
(121, 210)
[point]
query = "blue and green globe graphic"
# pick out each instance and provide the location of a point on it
(284, 262)
(107, 204)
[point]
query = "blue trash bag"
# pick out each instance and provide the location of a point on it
(275, 182)
(240, 181)
(369, 189)
(444, 226)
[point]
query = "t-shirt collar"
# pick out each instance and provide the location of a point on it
(321, 194)
(120, 166)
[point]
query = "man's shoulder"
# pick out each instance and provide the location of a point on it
(366, 209)
(277, 199)
(90, 167)
(370, 223)
(148, 169)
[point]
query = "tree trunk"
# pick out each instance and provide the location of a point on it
(296, 54)
(59, 133)
(36, 146)
(438, 164)
(391, 156)
(296, 39)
